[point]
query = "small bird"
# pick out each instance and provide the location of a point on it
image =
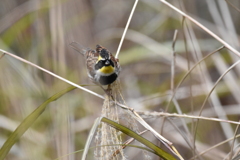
(103, 68)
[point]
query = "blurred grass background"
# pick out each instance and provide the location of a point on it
(40, 31)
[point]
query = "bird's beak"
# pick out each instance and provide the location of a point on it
(107, 62)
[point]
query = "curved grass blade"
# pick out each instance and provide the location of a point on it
(161, 153)
(27, 122)
(90, 136)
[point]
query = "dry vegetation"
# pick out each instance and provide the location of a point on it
(40, 31)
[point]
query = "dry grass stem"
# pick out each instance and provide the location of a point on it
(173, 59)
(164, 114)
(54, 75)
(232, 5)
(203, 27)
(232, 147)
(215, 146)
(190, 70)
(216, 83)
(126, 28)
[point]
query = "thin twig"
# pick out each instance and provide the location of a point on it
(203, 27)
(217, 145)
(172, 71)
(185, 76)
(54, 75)
(173, 59)
(214, 86)
(236, 155)
(231, 152)
(186, 116)
(237, 9)
(190, 75)
(126, 28)
(164, 141)
(181, 132)
(216, 83)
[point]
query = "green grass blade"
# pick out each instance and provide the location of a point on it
(27, 122)
(158, 151)
(90, 136)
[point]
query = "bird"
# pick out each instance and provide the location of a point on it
(102, 67)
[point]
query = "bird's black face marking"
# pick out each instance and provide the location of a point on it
(103, 63)
(99, 65)
(104, 54)
(108, 62)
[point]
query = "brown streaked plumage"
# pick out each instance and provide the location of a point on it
(103, 68)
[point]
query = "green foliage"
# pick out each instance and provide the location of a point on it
(156, 150)
(27, 122)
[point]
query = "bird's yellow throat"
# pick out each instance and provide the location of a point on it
(107, 69)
